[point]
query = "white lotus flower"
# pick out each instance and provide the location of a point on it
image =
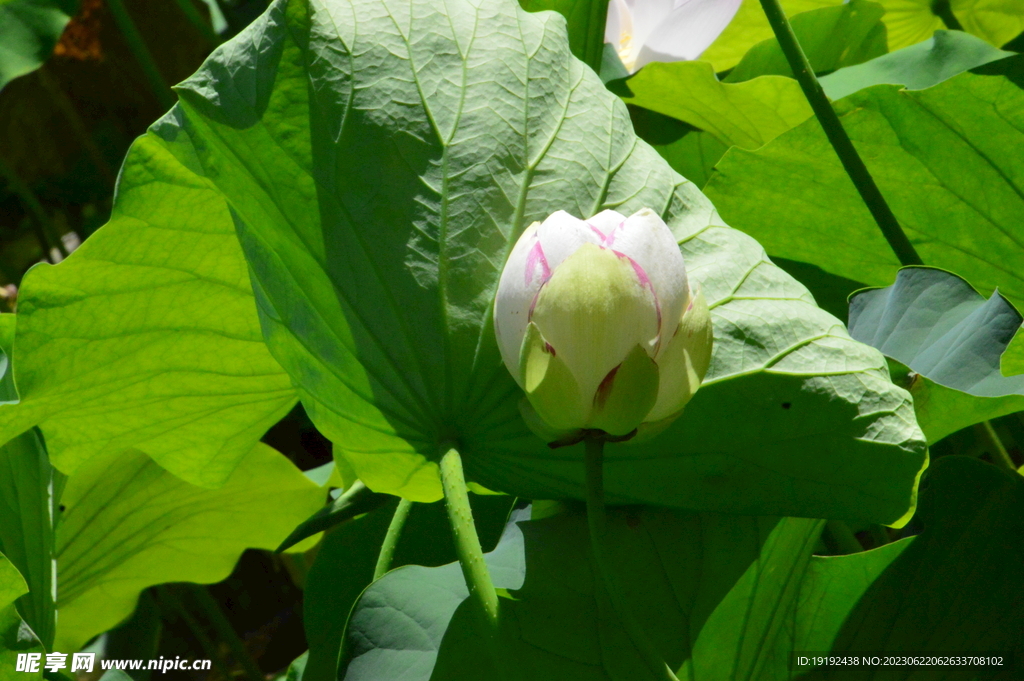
(643, 31)
(596, 321)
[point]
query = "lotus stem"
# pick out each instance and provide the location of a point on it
(598, 523)
(837, 136)
(471, 554)
(387, 549)
(161, 90)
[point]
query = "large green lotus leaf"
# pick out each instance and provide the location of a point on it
(746, 114)
(129, 524)
(944, 55)
(147, 335)
(954, 588)
(831, 38)
(28, 31)
(375, 259)
(27, 488)
(907, 22)
(723, 584)
(943, 158)
(936, 324)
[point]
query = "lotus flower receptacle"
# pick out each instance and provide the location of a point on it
(597, 322)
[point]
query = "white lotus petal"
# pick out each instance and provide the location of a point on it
(619, 20)
(648, 241)
(561, 235)
(648, 16)
(517, 289)
(687, 31)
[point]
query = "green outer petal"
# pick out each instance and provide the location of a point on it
(550, 386)
(685, 362)
(594, 311)
(629, 397)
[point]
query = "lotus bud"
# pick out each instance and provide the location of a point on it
(596, 321)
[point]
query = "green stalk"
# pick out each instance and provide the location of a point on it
(215, 616)
(598, 524)
(167, 600)
(837, 136)
(844, 541)
(467, 545)
(942, 10)
(137, 45)
(197, 20)
(1000, 456)
(387, 549)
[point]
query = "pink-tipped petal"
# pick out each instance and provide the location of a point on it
(649, 243)
(517, 290)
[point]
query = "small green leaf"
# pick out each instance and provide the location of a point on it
(746, 114)
(944, 55)
(27, 489)
(147, 335)
(129, 524)
(28, 31)
(17, 637)
(936, 324)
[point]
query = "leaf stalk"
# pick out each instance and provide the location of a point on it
(387, 549)
(837, 137)
(161, 90)
(467, 547)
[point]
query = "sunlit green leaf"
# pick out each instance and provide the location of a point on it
(746, 114)
(911, 21)
(935, 323)
(907, 22)
(944, 158)
(750, 27)
(831, 38)
(375, 259)
(129, 524)
(146, 336)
